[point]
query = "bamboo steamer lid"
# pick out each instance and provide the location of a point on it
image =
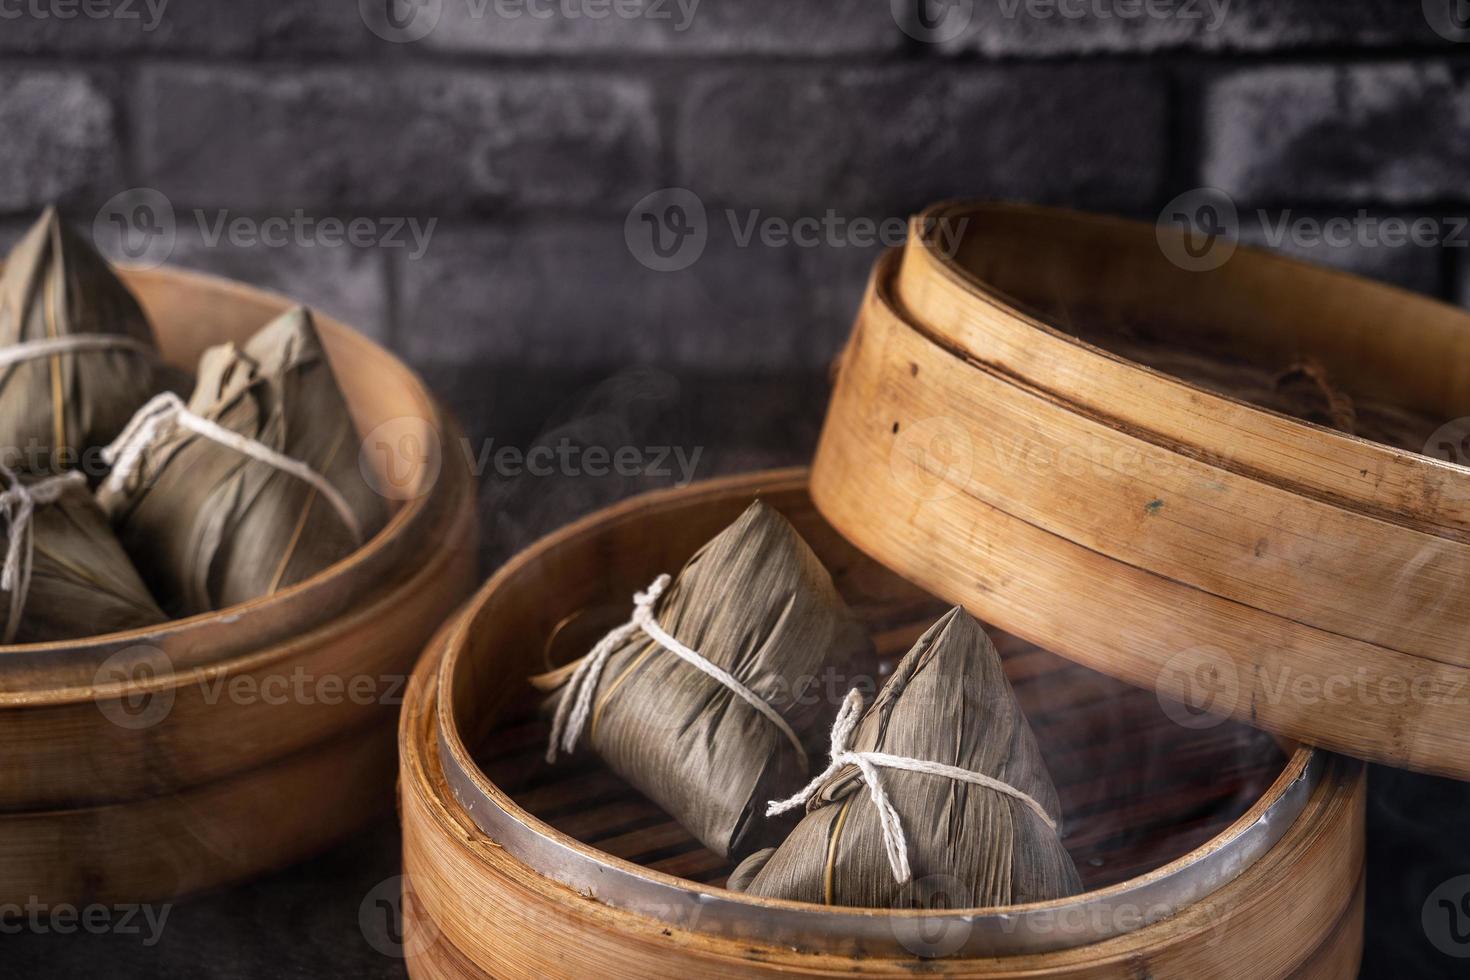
(1304, 580)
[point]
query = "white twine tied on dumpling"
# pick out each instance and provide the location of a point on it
(576, 703)
(895, 844)
(31, 350)
(18, 505)
(167, 413)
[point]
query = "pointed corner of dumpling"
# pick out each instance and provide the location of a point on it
(95, 299)
(53, 237)
(289, 339)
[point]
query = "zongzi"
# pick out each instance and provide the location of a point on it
(255, 485)
(711, 705)
(65, 574)
(936, 797)
(77, 355)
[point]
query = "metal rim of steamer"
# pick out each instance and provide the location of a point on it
(1045, 927)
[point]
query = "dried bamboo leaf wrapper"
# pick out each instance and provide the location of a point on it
(756, 602)
(210, 526)
(80, 582)
(56, 288)
(968, 846)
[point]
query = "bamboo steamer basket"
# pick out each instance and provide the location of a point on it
(997, 460)
(140, 765)
(513, 868)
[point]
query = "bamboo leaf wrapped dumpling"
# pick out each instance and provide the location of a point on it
(77, 354)
(756, 605)
(65, 575)
(965, 815)
(255, 485)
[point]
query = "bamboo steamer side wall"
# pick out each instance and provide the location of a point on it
(1385, 342)
(476, 911)
(955, 305)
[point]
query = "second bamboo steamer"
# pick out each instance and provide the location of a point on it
(998, 460)
(514, 869)
(137, 766)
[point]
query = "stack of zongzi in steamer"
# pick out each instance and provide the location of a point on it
(947, 711)
(213, 521)
(756, 603)
(252, 486)
(936, 795)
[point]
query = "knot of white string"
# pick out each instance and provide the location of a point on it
(895, 844)
(31, 350)
(576, 703)
(18, 505)
(167, 413)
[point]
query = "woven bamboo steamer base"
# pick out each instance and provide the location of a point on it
(1005, 540)
(1008, 275)
(474, 910)
(191, 312)
(157, 849)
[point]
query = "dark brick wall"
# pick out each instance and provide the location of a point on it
(527, 140)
